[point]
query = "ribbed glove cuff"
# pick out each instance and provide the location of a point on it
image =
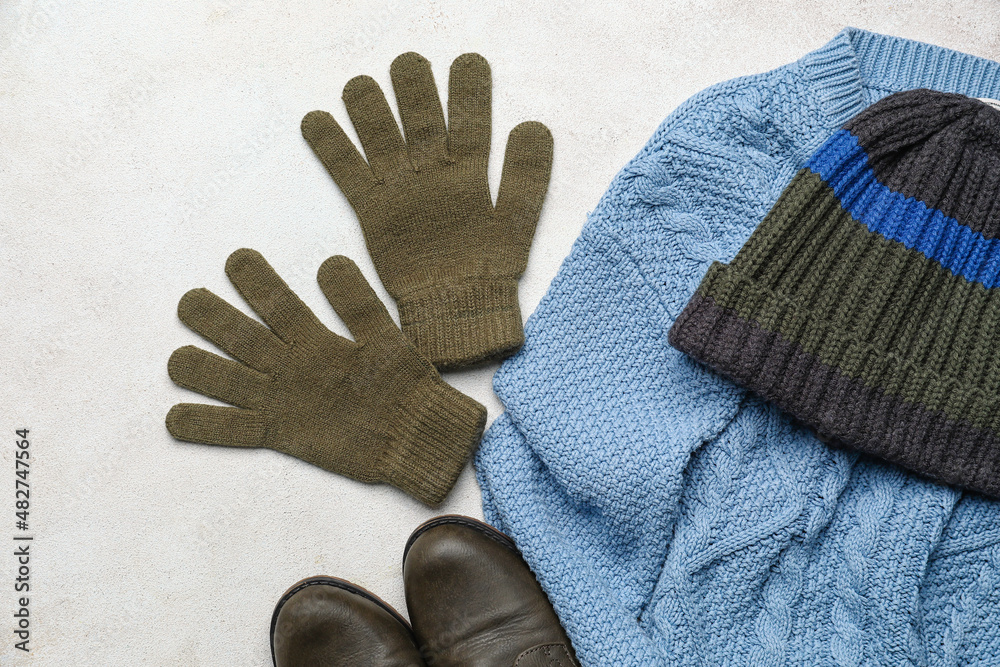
(461, 324)
(436, 434)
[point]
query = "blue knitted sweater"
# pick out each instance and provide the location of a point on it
(675, 519)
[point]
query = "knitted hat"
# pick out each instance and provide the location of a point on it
(867, 302)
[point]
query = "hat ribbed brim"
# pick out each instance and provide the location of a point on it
(866, 314)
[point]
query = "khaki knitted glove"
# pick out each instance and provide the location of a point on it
(372, 409)
(443, 251)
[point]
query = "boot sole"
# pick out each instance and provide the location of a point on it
(342, 584)
(459, 520)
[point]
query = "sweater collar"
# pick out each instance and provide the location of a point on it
(848, 71)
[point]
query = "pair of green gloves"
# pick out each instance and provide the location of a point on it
(375, 408)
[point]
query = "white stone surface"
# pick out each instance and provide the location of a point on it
(143, 142)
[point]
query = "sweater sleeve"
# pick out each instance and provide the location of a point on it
(602, 414)
(586, 465)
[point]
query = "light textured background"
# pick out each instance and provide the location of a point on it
(143, 142)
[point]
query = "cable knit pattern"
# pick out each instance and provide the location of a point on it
(849, 612)
(672, 518)
(962, 589)
(781, 592)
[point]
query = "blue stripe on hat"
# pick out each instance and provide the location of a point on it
(843, 164)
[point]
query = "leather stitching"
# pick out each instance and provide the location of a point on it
(563, 659)
(483, 529)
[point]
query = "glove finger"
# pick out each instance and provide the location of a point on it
(235, 333)
(271, 297)
(419, 108)
(337, 153)
(470, 107)
(217, 377)
(354, 299)
(216, 425)
(525, 178)
(375, 125)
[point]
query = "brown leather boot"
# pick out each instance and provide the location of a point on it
(327, 622)
(474, 601)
